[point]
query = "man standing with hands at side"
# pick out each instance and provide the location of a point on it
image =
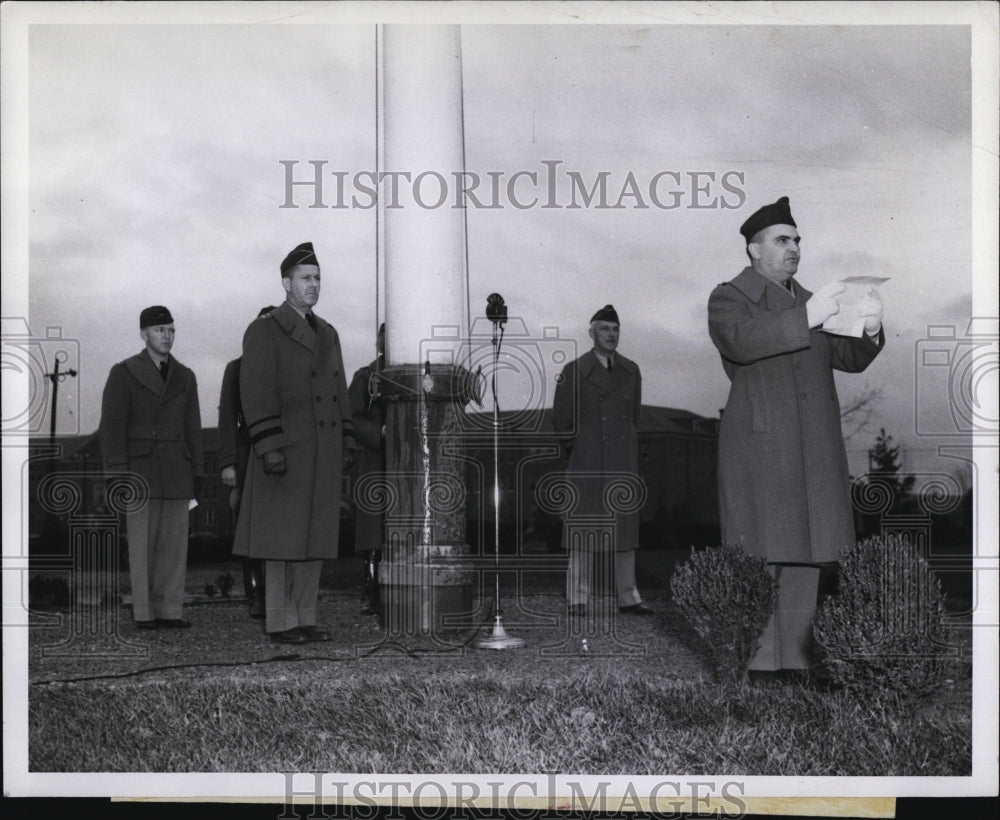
(368, 412)
(234, 453)
(151, 426)
(595, 414)
(784, 489)
(294, 395)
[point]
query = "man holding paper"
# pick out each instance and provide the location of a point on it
(783, 480)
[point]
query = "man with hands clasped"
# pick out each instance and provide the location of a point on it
(784, 490)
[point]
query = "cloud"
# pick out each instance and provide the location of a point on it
(155, 177)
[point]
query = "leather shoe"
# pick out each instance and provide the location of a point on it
(577, 609)
(256, 608)
(636, 609)
(173, 623)
(145, 624)
(314, 635)
(293, 635)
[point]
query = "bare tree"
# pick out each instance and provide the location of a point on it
(856, 412)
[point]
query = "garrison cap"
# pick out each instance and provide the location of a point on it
(777, 213)
(606, 314)
(302, 255)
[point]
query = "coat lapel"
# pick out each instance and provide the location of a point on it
(762, 291)
(295, 326)
(593, 371)
(324, 340)
(144, 371)
(621, 372)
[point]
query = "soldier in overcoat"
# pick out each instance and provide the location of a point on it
(234, 453)
(783, 479)
(151, 426)
(595, 415)
(368, 412)
(294, 395)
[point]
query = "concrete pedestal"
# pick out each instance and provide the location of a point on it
(425, 579)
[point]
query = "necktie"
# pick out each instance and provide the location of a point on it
(609, 364)
(163, 370)
(312, 321)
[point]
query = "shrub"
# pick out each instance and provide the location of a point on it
(727, 595)
(882, 631)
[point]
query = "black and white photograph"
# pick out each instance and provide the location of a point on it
(562, 406)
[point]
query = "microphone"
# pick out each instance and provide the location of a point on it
(496, 310)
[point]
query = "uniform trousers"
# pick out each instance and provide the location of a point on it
(787, 639)
(290, 591)
(580, 575)
(157, 556)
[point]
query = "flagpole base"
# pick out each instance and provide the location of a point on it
(499, 639)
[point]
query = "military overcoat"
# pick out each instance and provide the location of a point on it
(152, 426)
(783, 480)
(234, 440)
(595, 415)
(369, 417)
(294, 395)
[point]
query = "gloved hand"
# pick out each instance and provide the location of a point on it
(824, 303)
(229, 476)
(872, 309)
(274, 463)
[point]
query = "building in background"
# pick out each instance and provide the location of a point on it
(677, 457)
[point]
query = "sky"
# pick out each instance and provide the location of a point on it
(143, 165)
(155, 177)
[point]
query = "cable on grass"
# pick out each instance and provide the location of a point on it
(411, 652)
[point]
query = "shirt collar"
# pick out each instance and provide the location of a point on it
(604, 359)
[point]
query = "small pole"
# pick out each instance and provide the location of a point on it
(56, 377)
(499, 639)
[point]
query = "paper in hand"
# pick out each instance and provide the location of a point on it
(849, 322)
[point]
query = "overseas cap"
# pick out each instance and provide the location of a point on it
(777, 213)
(302, 255)
(606, 314)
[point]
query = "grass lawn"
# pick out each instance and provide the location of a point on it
(430, 721)
(221, 697)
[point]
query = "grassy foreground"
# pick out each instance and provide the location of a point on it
(613, 721)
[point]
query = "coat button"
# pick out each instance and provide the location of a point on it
(322, 424)
(319, 398)
(333, 423)
(333, 398)
(802, 395)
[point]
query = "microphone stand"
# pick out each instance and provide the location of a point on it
(499, 639)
